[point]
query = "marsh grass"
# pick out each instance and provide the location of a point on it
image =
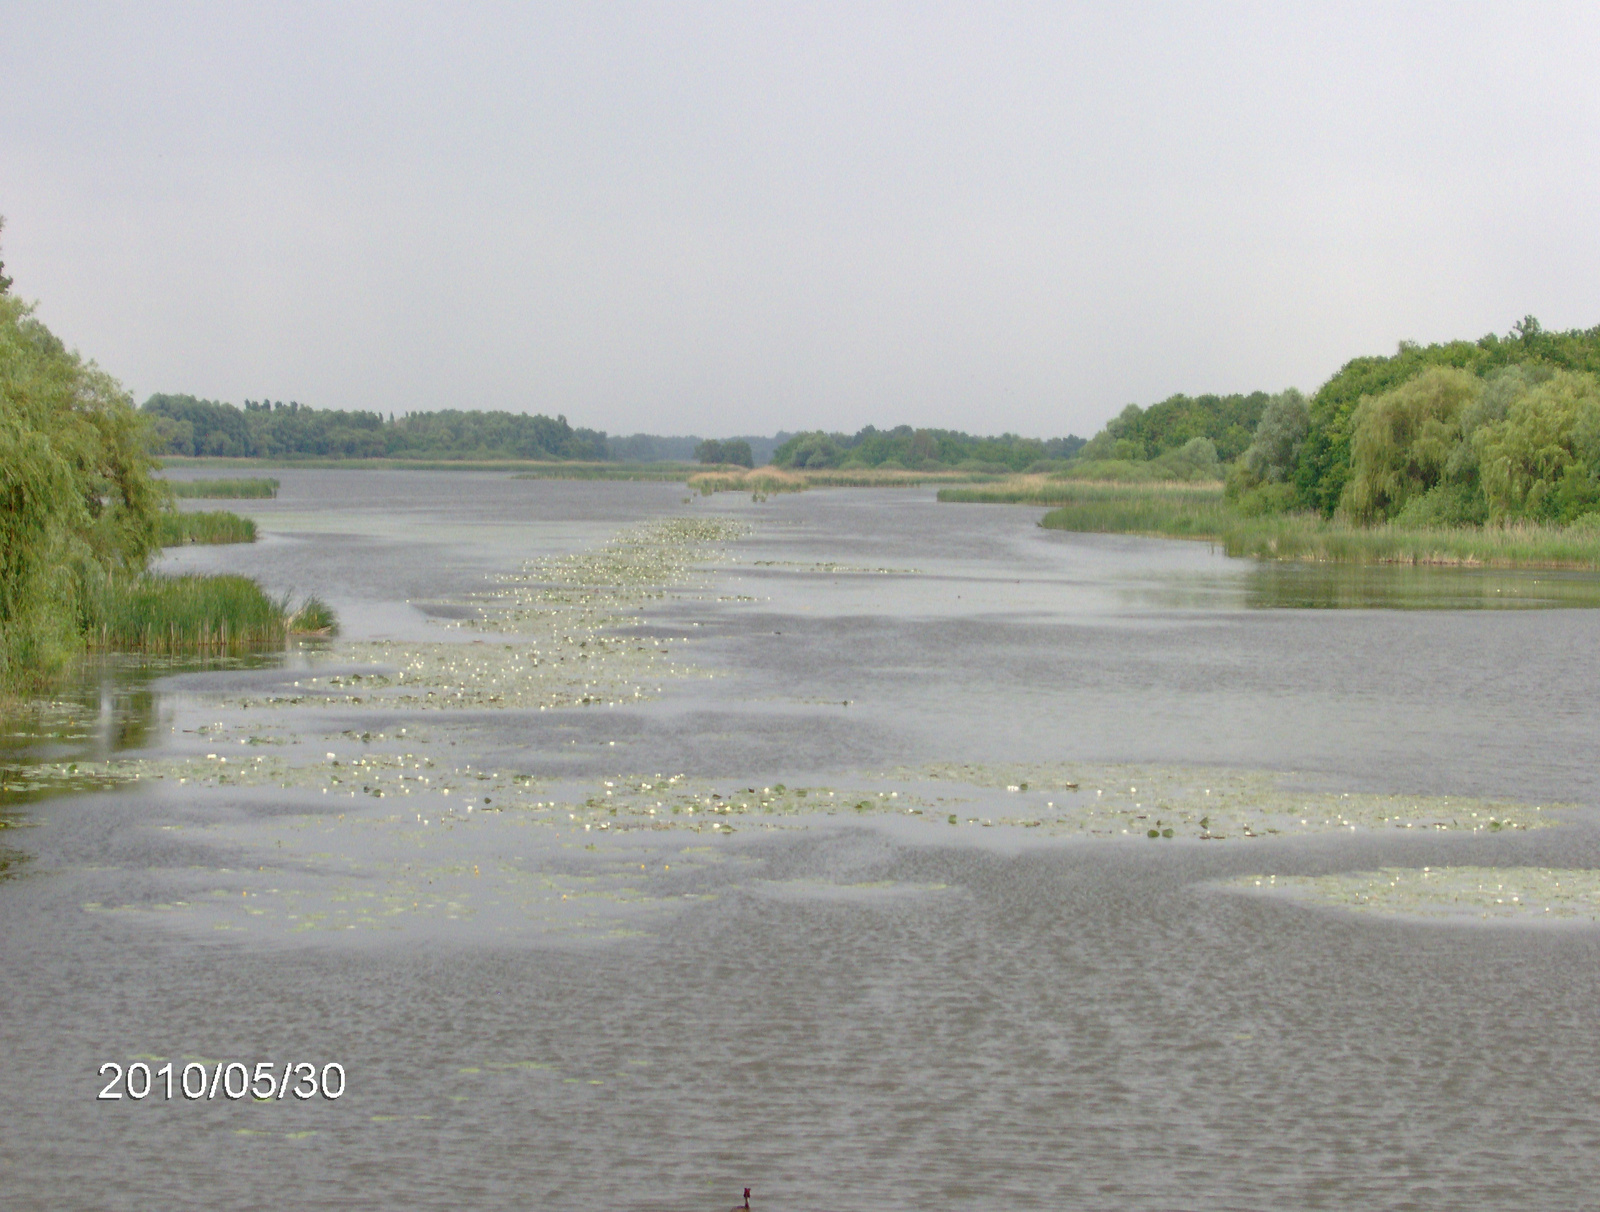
(314, 618)
(762, 481)
(166, 615)
(253, 488)
(1053, 490)
(1519, 545)
(216, 526)
(1185, 511)
(670, 473)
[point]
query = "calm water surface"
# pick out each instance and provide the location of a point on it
(859, 1010)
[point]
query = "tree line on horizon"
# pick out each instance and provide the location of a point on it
(1453, 433)
(188, 426)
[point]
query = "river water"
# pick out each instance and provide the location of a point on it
(628, 850)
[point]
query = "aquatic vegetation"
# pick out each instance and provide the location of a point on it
(315, 617)
(248, 488)
(562, 616)
(1444, 893)
(1162, 803)
(155, 613)
(174, 529)
(1182, 511)
(77, 504)
(672, 473)
(1085, 493)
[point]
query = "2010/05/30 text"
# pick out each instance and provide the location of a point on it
(227, 1079)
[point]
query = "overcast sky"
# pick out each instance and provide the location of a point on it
(738, 218)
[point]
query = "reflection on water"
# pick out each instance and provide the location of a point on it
(1305, 586)
(107, 706)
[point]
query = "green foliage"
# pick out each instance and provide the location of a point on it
(78, 506)
(1280, 435)
(315, 617)
(1401, 441)
(919, 450)
(216, 526)
(735, 451)
(1138, 434)
(258, 488)
(184, 425)
(1542, 460)
(1202, 513)
(810, 450)
(1323, 469)
(1129, 509)
(170, 614)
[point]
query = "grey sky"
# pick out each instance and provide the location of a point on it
(734, 218)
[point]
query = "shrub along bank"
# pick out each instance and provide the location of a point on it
(80, 517)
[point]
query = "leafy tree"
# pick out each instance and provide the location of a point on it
(903, 447)
(77, 502)
(738, 452)
(273, 429)
(1271, 456)
(816, 450)
(1402, 440)
(1137, 434)
(1324, 466)
(5, 282)
(1542, 461)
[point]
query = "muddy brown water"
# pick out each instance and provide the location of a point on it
(854, 1010)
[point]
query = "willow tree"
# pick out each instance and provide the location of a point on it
(1542, 460)
(1401, 441)
(77, 502)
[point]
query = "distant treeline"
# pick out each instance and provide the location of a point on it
(922, 449)
(185, 425)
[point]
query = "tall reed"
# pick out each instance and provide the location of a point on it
(166, 615)
(258, 487)
(174, 529)
(1193, 512)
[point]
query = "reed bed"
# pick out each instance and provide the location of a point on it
(251, 488)
(169, 615)
(315, 617)
(1053, 490)
(1183, 511)
(763, 481)
(670, 473)
(1523, 545)
(216, 526)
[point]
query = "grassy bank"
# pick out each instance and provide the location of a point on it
(1183, 511)
(216, 526)
(252, 488)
